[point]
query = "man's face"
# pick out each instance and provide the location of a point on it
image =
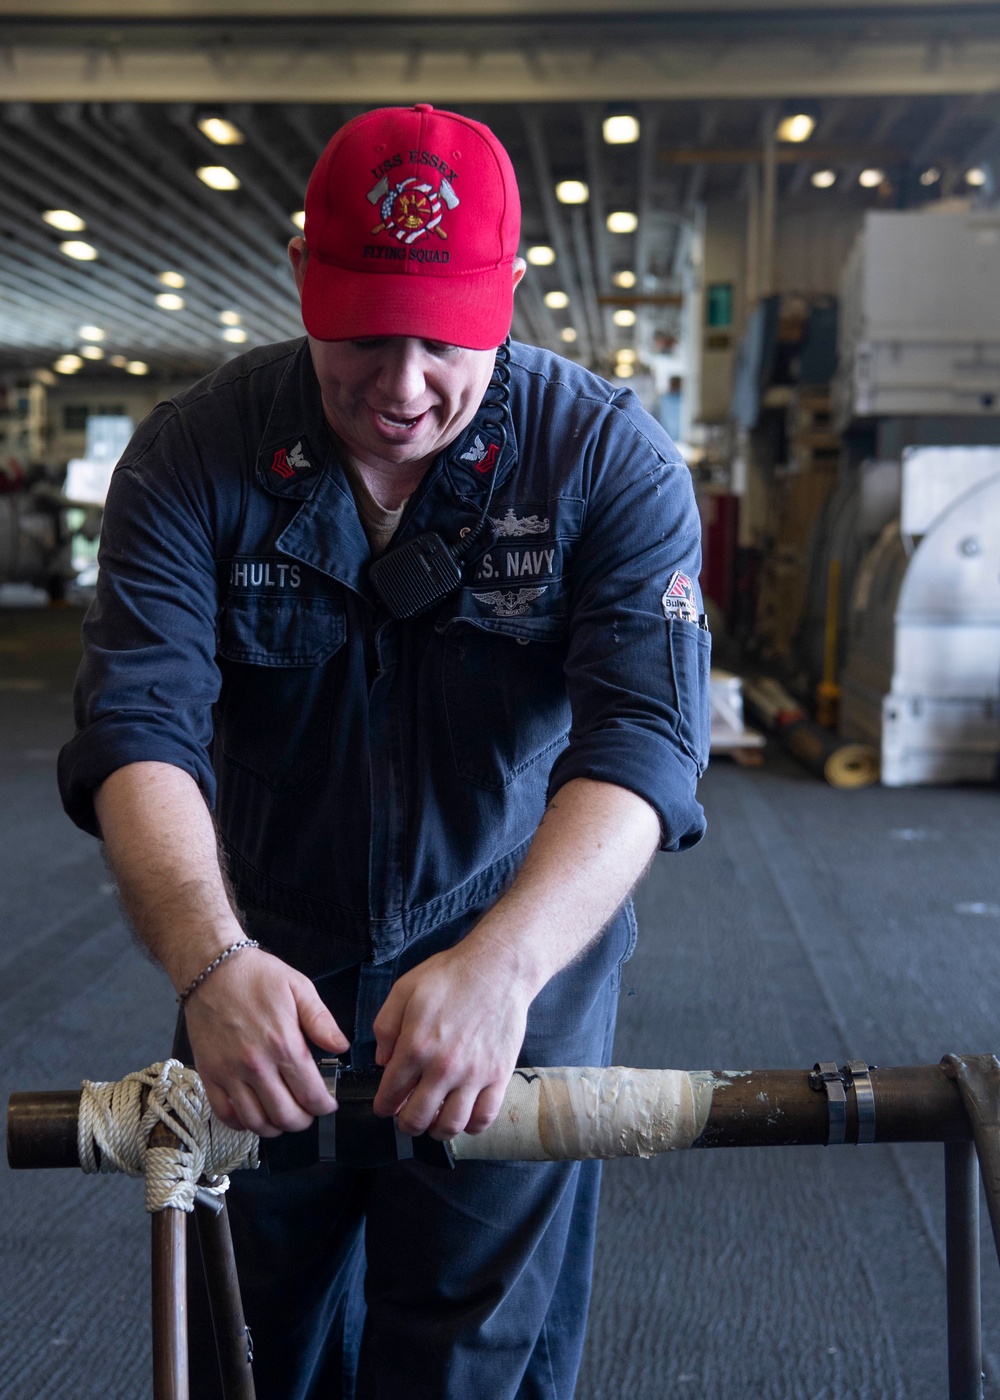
(398, 401)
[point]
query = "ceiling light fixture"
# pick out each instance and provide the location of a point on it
(622, 221)
(623, 370)
(568, 334)
(217, 177)
(74, 248)
(230, 318)
(90, 333)
(119, 361)
(796, 127)
(91, 352)
(177, 280)
(68, 364)
(170, 301)
(65, 220)
(572, 192)
(136, 367)
(541, 255)
(621, 129)
(625, 278)
(298, 218)
(871, 178)
(221, 131)
(626, 355)
(976, 176)
(556, 301)
(236, 335)
(624, 316)
(930, 176)
(824, 179)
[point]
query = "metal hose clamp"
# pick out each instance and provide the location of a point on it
(859, 1078)
(826, 1076)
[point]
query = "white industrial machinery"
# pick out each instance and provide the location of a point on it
(919, 328)
(922, 675)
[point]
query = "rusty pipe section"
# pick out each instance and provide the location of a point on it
(735, 1108)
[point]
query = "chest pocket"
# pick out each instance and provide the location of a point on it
(505, 694)
(282, 661)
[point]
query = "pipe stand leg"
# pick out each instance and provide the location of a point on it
(961, 1185)
(170, 1351)
(232, 1339)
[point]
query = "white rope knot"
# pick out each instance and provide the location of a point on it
(113, 1135)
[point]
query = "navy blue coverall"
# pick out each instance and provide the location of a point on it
(375, 785)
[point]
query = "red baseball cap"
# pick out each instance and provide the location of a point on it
(412, 225)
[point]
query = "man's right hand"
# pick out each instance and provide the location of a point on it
(247, 1025)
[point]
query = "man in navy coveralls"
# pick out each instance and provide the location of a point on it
(430, 813)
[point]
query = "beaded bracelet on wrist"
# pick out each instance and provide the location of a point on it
(217, 962)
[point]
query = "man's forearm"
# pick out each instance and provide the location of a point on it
(593, 844)
(162, 846)
(247, 1023)
(450, 1030)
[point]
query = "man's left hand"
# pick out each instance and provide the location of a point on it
(448, 1037)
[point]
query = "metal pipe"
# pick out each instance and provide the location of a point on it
(169, 1313)
(965, 1346)
(232, 1337)
(750, 1108)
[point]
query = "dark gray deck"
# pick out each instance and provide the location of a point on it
(810, 925)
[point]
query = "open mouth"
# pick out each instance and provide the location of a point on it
(392, 421)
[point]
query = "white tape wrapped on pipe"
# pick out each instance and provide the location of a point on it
(562, 1114)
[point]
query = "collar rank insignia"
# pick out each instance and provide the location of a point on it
(289, 462)
(482, 455)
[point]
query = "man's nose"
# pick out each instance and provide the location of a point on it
(401, 378)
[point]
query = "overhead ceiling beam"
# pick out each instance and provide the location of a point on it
(654, 66)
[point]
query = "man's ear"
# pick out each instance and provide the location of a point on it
(298, 256)
(519, 268)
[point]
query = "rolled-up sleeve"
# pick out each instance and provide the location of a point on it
(638, 677)
(149, 678)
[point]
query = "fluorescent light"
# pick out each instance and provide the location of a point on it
(824, 179)
(222, 132)
(976, 176)
(556, 301)
(92, 352)
(218, 177)
(83, 252)
(541, 255)
(621, 130)
(623, 370)
(65, 220)
(572, 192)
(798, 127)
(624, 316)
(626, 356)
(871, 178)
(622, 221)
(170, 301)
(236, 334)
(136, 367)
(230, 318)
(568, 333)
(177, 280)
(625, 278)
(90, 333)
(68, 364)
(298, 218)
